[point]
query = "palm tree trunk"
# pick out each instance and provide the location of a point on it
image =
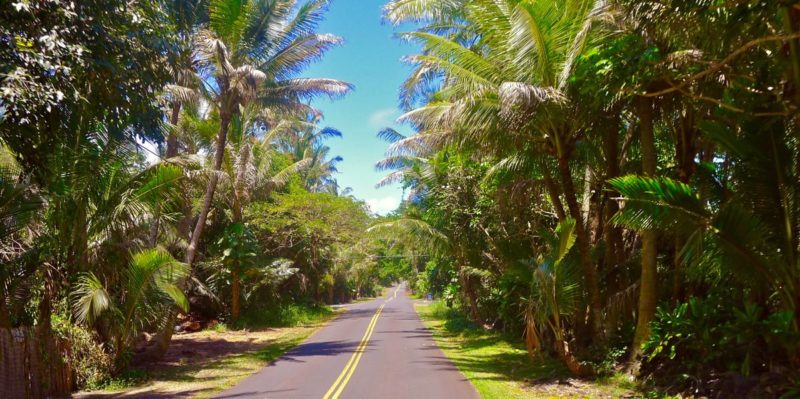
(612, 234)
(472, 301)
(575, 367)
(685, 152)
(235, 294)
(172, 139)
(553, 193)
(648, 293)
(584, 248)
(5, 318)
(165, 336)
(219, 152)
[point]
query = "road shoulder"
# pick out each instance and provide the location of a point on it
(202, 364)
(500, 368)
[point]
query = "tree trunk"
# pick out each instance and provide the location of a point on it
(165, 336)
(51, 364)
(235, 294)
(172, 139)
(685, 152)
(219, 153)
(552, 191)
(648, 294)
(612, 235)
(5, 315)
(584, 248)
(153, 236)
(472, 302)
(575, 368)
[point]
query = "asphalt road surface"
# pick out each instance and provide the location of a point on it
(377, 349)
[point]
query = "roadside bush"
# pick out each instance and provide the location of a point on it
(702, 339)
(284, 315)
(421, 286)
(93, 366)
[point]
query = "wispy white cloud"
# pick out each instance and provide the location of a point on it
(383, 205)
(383, 118)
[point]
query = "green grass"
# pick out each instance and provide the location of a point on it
(499, 367)
(290, 315)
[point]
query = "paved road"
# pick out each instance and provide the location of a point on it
(377, 349)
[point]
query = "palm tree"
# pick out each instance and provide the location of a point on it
(249, 54)
(249, 170)
(508, 83)
(319, 176)
(304, 139)
(407, 159)
(187, 16)
(554, 293)
(147, 287)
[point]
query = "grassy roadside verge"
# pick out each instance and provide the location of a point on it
(498, 366)
(200, 374)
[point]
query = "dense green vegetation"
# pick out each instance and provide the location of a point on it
(616, 181)
(160, 158)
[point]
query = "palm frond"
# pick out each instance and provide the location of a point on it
(90, 299)
(399, 11)
(658, 204)
(410, 230)
(390, 135)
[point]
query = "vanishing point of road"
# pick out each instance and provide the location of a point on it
(376, 349)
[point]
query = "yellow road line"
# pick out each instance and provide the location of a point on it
(358, 359)
(338, 386)
(360, 346)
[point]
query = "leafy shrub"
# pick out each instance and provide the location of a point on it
(93, 367)
(284, 315)
(451, 291)
(703, 337)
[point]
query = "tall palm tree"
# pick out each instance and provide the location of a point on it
(319, 177)
(507, 83)
(187, 17)
(250, 53)
(305, 139)
(248, 170)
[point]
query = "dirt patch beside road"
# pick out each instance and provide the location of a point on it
(204, 363)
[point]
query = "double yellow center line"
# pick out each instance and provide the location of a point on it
(338, 385)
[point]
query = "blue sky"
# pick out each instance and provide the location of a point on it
(369, 59)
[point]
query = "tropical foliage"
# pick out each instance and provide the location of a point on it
(589, 162)
(613, 181)
(123, 204)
